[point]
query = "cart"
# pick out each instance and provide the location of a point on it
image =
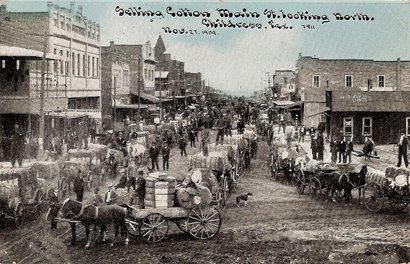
(387, 188)
(217, 163)
(202, 222)
(282, 162)
(21, 195)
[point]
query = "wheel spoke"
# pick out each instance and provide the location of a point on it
(194, 218)
(212, 216)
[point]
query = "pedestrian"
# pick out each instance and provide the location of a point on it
(182, 145)
(79, 185)
(282, 122)
(139, 194)
(302, 133)
(132, 171)
(191, 137)
(241, 126)
(93, 131)
(289, 133)
(205, 140)
(113, 166)
(349, 149)
(220, 126)
(333, 151)
(342, 150)
(313, 146)
(153, 154)
(403, 145)
(320, 146)
(18, 142)
(165, 151)
(247, 157)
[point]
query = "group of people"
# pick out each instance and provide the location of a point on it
(341, 149)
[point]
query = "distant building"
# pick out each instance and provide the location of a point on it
(284, 83)
(315, 76)
(175, 69)
(194, 82)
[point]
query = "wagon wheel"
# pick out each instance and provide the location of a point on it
(154, 228)
(373, 197)
(300, 182)
(204, 222)
(18, 215)
(183, 225)
(133, 226)
(315, 188)
(398, 204)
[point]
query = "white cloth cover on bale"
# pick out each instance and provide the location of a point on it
(312, 166)
(191, 197)
(203, 177)
(375, 176)
(211, 162)
(159, 190)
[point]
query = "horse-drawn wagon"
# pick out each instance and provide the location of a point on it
(389, 187)
(189, 206)
(218, 163)
(282, 160)
(21, 195)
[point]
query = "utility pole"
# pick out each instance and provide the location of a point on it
(42, 83)
(115, 100)
(160, 96)
(139, 88)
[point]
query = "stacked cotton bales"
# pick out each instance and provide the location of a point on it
(159, 191)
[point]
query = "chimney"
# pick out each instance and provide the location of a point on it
(398, 75)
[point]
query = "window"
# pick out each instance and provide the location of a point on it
(93, 66)
(3, 64)
(348, 80)
(408, 126)
(67, 67)
(98, 68)
(78, 63)
(55, 51)
(84, 64)
(68, 54)
(322, 118)
(17, 64)
(145, 74)
(380, 80)
(73, 61)
(61, 67)
(316, 81)
(88, 65)
(125, 78)
(367, 124)
(55, 67)
(348, 126)
(369, 84)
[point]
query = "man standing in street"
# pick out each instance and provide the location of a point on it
(17, 146)
(79, 186)
(320, 146)
(153, 154)
(165, 151)
(220, 126)
(342, 151)
(349, 149)
(403, 145)
(289, 132)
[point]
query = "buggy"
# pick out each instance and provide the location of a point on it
(21, 195)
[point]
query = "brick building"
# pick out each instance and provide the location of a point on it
(115, 85)
(176, 69)
(315, 76)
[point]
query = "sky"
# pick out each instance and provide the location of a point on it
(238, 60)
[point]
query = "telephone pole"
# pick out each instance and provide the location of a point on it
(42, 83)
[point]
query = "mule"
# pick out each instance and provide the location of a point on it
(89, 215)
(354, 180)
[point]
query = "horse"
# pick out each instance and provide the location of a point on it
(354, 180)
(90, 215)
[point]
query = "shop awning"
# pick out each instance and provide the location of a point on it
(131, 106)
(12, 51)
(319, 111)
(68, 115)
(294, 105)
(149, 97)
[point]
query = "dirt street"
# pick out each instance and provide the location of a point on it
(277, 226)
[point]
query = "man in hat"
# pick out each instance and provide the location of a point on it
(403, 145)
(139, 194)
(153, 154)
(132, 172)
(113, 166)
(110, 195)
(165, 151)
(79, 185)
(17, 146)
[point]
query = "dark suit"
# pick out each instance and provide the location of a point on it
(342, 151)
(403, 145)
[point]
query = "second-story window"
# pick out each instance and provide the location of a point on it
(316, 81)
(348, 81)
(84, 65)
(98, 67)
(93, 67)
(380, 80)
(88, 65)
(73, 62)
(78, 63)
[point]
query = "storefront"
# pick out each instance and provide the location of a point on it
(378, 115)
